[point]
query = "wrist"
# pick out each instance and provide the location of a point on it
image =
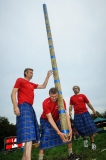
(15, 107)
(47, 77)
(58, 132)
(70, 113)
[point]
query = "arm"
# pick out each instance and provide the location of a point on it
(69, 125)
(46, 80)
(91, 107)
(13, 98)
(53, 124)
(70, 110)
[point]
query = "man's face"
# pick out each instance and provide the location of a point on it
(54, 97)
(29, 74)
(76, 90)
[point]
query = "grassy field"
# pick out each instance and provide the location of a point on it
(60, 153)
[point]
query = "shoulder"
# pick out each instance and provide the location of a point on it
(72, 96)
(64, 101)
(83, 95)
(46, 101)
(19, 80)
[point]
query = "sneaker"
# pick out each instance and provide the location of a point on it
(86, 143)
(73, 157)
(93, 146)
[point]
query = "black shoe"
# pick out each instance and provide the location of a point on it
(73, 157)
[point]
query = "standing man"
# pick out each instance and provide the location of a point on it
(51, 136)
(82, 119)
(27, 129)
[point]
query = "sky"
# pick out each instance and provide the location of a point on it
(78, 30)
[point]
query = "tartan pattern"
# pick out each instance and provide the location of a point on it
(27, 128)
(84, 124)
(49, 137)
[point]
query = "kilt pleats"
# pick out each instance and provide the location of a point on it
(49, 137)
(84, 124)
(27, 128)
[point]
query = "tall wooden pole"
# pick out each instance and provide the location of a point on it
(62, 114)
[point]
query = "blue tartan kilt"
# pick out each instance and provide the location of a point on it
(49, 137)
(27, 128)
(84, 124)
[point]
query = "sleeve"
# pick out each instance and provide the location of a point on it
(71, 102)
(64, 104)
(46, 108)
(18, 83)
(85, 99)
(35, 85)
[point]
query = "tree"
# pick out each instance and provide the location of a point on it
(104, 114)
(6, 130)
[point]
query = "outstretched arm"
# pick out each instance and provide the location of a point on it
(46, 80)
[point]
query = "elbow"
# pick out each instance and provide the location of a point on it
(43, 86)
(11, 96)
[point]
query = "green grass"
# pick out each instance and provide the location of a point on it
(61, 153)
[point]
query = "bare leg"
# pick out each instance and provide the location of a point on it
(91, 138)
(27, 151)
(69, 145)
(92, 141)
(41, 154)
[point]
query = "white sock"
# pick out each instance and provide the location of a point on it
(69, 151)
(41, 156)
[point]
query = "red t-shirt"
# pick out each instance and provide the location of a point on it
(51, 107)
(79, 102)
(25, 91)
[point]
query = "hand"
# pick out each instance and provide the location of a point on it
(16, 111)
(64, 137)
(49, 73)
(70, 113)
(94, 112)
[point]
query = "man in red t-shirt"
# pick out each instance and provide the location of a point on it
(82, 119)
(51, 135)
(27, 129)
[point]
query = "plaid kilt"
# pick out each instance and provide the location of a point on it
(49, 137)
(27, 128)
(84, 124)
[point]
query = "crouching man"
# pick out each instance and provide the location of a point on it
(51, 135)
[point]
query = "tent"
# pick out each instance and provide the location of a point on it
(101, 124)
(99, 119)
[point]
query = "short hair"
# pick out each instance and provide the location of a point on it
(53, 90)
(77, 87)
(26, 70)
